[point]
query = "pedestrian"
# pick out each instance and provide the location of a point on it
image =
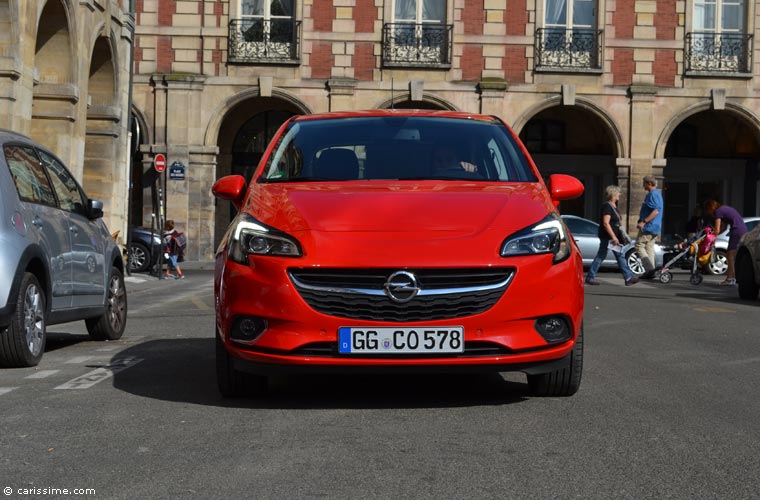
(611, 231)
(174, 250)
(726, 216)
(649, 224)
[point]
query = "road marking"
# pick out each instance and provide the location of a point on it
(132, 279)
(107, 349)
(78, 360)
(6, 390)
(99, 374)
(741, 361)
(714, 310)
(43, 374)
(199, 303)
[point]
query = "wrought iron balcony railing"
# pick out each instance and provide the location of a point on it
(718, 52)
(417, 45)
(568, 49)
(260, 41)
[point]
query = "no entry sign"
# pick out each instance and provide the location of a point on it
(159, 163)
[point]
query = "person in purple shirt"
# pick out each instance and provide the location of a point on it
(727, 216)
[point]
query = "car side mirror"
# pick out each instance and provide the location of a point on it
(564, 187)
(230, 188)
(94, 209)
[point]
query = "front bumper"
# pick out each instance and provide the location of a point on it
(300, 339)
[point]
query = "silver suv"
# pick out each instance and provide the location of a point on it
(58, 262)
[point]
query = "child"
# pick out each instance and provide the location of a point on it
(172, 250)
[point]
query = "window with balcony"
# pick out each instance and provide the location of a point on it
(720, 42)
(569, 38)
(265, 32)
(418, 35)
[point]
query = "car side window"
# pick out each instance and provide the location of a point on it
(28, 175)
(69, 196)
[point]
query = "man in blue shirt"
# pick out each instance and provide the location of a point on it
(650, 225)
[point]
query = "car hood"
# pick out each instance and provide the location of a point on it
(415, 210)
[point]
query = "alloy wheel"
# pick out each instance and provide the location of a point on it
(116, 303)
(34, 320)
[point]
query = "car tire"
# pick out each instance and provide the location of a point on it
(111, 324)
(23, 342)
(139, 258)
(233, 383)
(745, 277)
(563, 382)
(718, 264)
(634, 263)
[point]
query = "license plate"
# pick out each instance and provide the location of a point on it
(393, 340)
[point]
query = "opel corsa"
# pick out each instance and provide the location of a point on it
(398, 240)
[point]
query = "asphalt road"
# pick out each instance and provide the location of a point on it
(668, 409)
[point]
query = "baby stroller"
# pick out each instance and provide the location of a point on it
(699, 248)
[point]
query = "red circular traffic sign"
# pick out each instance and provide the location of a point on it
(159, 163)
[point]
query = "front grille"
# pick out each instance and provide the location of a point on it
(443, 293)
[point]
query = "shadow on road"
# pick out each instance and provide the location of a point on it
(60, 340)
(183, 370)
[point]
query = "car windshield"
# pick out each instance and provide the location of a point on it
(397, 147)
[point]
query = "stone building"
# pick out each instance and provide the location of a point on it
(64, 81)
(607, 90)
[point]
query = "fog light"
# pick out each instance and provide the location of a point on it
(247, 329)
(553, 328)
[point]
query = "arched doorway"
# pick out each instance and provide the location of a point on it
(100, 176)
(54, 92)
(243, 137)
(573, 140)
(710, 154)
(428, 101)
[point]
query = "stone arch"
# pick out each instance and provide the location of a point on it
(55, 43)
(580, 140)
(102, 129)
(585, 104)
(431, 101)
(222, 111)
(742, 113)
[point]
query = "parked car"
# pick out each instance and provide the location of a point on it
(586, 234)
(144, 248)
(748, 265)
(351, 252)
(719, 262)
(58, 262)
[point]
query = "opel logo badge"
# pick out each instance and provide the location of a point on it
(401, 287)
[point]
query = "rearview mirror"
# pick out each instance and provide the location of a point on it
(564, 187)
(94, 209)
(230, 188)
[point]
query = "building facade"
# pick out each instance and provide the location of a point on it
(64, 81)
(606, 90)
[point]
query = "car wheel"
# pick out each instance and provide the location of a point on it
(139, 258)
(233, 383)
(634, 262)
(718, 263)
(23, 342)
(745, 278)
(111, 325)
(562, 382)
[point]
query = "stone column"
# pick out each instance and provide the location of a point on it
(492, 92)
(641, 147)
(341, 94)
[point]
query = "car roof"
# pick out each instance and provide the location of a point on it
(10, 135)
(397, 112)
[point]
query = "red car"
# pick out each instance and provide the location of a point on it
(398, 240)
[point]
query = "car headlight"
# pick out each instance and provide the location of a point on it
(547, 236)
(250, 236)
